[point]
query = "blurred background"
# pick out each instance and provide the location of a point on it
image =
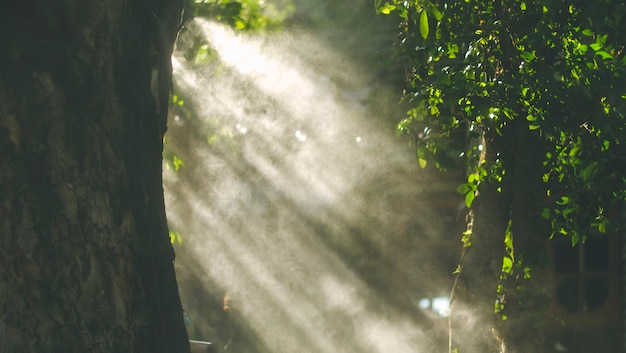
(301, 221)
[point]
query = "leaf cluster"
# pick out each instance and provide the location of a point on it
(245, 15)
(557, 68)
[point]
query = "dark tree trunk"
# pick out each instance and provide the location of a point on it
(85, 259)
(477, 328)
(474, 323)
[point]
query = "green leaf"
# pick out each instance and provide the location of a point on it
(596, 46)
(387, 8)
(528, 56)
(563, 201)
(507, 264)
(438, 15)
(463, 189)
(604, 54)
(469, 199)
(424, 29)
(421, 157)
(527, 273)
(175, 237)
(587, 32)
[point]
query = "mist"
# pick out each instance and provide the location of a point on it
(305, 223)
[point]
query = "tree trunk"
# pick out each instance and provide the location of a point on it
(476, 327)
(474, 323)
(85, 259)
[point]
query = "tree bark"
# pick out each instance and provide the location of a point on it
(85, 259)
(474, 323)
(477, 328)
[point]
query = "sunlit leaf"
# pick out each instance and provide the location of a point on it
(421, 156)
(175, 237)
(563, 201)
(424, 29)
(596, 46)
(507, 265)
(438, 15)
(387, 8)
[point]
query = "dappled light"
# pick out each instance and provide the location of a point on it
(306, 224)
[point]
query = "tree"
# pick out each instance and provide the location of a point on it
(86, 262)
(535, 90)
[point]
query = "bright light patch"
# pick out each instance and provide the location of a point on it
(301, 136)
(269, 219)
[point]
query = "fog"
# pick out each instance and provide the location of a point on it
(305, 223)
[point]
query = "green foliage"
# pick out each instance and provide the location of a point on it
(172, 161)
(242, 15)
(175, 237)
(181, 111)
(245, 15)
(482, 68)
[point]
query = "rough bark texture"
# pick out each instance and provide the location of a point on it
(85, 259)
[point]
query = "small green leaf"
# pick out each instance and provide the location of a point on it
(563, 201)
(527, 273)
(528, 56)
(438, 15)
(421, 157)
(386, 10)
(507, 264)
(463, 189)
(575, 238)
(524, 91)
(596, 46)
(469, 199)
(175, 237)
(604, 54)
(424, 29)
(587, 32)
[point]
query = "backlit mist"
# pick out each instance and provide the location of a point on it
(306, 224)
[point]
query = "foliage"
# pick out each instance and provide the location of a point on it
(175, 237)
(179, 110)
(556, 68)
(242, 15)
(245, 15)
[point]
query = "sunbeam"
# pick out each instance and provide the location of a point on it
(299, 205)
